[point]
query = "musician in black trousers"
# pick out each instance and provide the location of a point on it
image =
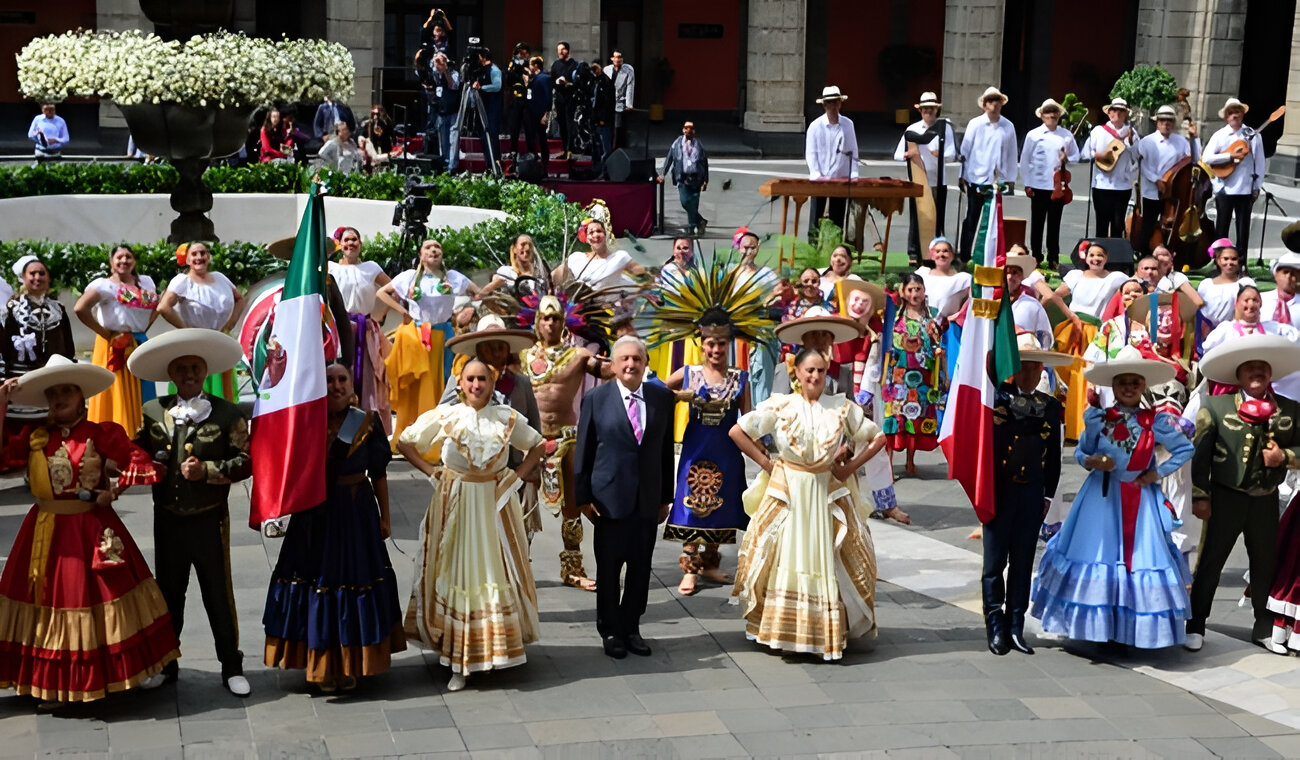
(933, 153)
(1111, 187)
(831, 151)
(623, 481)
(1159, 152)
(1235, 194)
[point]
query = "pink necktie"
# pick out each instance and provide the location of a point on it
(634, 416)
(1282, 313)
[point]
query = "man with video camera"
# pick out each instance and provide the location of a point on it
(483, 76)
(517, 96)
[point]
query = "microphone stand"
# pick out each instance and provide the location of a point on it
(1263, 230)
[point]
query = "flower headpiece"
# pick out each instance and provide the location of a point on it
(597, 211)
(182, 254)
(740, 233)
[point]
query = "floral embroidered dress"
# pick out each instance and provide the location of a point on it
(80, 614)
(1113, 573)
(711, 471)
(474, 600)
(806, 577)
(126, 311)
(914, 388)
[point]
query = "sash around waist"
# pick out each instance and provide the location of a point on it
(64, 506)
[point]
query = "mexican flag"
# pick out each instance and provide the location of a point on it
(988, 347)
(290, 417)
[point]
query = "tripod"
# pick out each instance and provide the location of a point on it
(472, 98)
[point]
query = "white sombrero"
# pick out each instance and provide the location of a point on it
(490, 327)
(1165, 112)
(1048, 105)
(60, 370)
(1117, 104)
(1129, 361)
(1288, 260)
(1233, 103)
(928, 100)
(817, 318)
(1032, 351)
(831, 93)
(1027, 264)
(991, 93)
(150, 361)
(1221, 362)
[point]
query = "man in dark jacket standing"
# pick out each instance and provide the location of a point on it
(690, 171)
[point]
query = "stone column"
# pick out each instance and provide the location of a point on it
(576, 22)
(774, 66)
(1285, 163)
(972, 54)
(1199, 42)
(117, 16)
(359, 26)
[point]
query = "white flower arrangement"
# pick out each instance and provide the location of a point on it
(221, 69)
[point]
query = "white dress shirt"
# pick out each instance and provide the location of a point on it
(1221, 299)
(1268, 306)
(1159, 154)
(639, 393)
(989, 151)
(1248, 177)
(1041, 156)
(831, 150)
(928, 159)
(1120, 177)
(1171, 282)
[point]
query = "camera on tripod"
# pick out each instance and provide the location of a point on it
(471, 70)
(412, 212)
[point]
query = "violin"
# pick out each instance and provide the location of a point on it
(1061, 191)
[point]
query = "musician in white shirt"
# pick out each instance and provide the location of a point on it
(1157, 154)
(988, 154)
(1112, 187)
(1046, 149)
(1281, 305)
(929, 153)
(831, 150)
(1235, 194)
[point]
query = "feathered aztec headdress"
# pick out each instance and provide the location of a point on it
(714, 299)
(587, 314)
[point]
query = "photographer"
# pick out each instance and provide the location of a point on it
(516, 95)
(602, 118)
(436, 34)
(488, 81)
(441, 85)
(564, 70)
(540, 91)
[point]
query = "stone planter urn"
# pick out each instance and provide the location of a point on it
(190, 137)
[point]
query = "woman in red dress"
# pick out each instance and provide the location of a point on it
(80, 614)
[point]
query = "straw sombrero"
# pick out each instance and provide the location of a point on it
(283, 248)
(846, 286)
(815, 319)
(150, 361)
(1027, 264)
(1129, 361)
(490, 327)
(60, 370)
(1032, 351)
(1221, 362)
(1140, 309)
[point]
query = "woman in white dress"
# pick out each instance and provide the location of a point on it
(523, 257)
(945, 288)
(474, 601)
(841, 261)
(1090, 290)
(419, 363)
(599, 267)
(806, 577)
(1220, 291)
(201, 297)
(119, 309)
(359, 282)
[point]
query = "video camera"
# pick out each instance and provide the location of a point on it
(412, 212)
(470, 68)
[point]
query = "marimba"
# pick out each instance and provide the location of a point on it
(885, 194)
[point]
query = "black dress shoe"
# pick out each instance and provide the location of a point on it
(636, 645)
(614, 647)
(1019, 644)
(995, 625)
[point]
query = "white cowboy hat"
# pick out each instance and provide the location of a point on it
(1048, 105)
(1027, 264)
(1032, 351)
(150, 361)
(60, 370)
(489, 328)
(1165, 112)
(874, 291)
(1288, 260)
(992, 92)
(928, 99)
(1221, 362)
(1119, 104)
(1129, 361)
(842, 328)
(832, 93)
(1140, 309)
(1233, 103)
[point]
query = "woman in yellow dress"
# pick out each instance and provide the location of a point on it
(806, 578)
(474, 601)
(119, 309)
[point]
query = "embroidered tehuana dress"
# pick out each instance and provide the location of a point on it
(914, 388)
(711, 471)
(474, 600)
(126, 312)
(1113, 572)
(807, 571)
(80, 613)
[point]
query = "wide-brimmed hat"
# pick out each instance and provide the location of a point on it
(1027, 264)
(1032, 351)
(1116, 104)
(283, 248)
(845, 286)
(60, 370)
(831, 93)
(928, 99)
(992, 92)
(1048, 105)
(1291, 236)
(1221, 362)
(1233, 103)
(1129, 361)
(1140, 309)
(1287, 260)
(490, 327)
(841, 328)
(1164, 112)
(150, 361)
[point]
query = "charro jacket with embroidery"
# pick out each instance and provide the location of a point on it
(1228, 449)
(220, 441)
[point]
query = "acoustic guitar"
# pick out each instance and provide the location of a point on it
(1240, 148)
(1110, 156)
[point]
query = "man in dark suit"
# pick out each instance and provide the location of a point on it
(623, 480)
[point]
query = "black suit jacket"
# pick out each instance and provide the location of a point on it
(621, 478)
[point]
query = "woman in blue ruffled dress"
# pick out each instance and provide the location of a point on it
(1113, 572)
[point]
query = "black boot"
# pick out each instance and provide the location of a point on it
(1017, 633)
(995, 625)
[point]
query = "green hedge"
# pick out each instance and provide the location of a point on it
(530, 209)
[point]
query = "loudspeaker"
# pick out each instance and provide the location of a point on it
(621, 167)
(1119, 253)
(529, 168)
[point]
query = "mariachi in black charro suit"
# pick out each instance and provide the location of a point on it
(628, 483)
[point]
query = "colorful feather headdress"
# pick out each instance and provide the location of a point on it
(704, 297)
